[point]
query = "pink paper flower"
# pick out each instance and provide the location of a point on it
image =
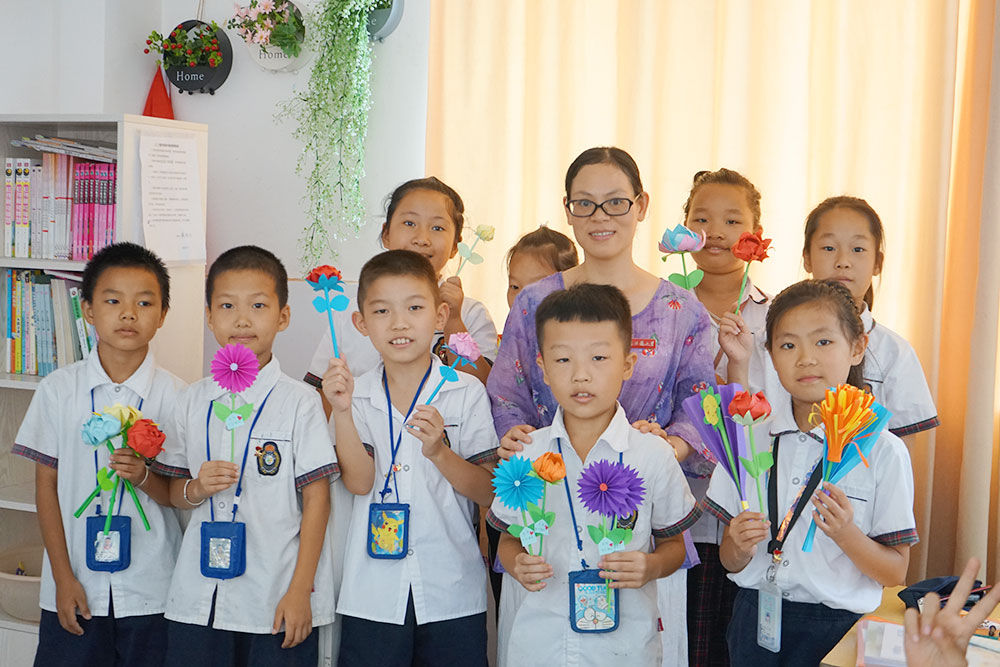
(464, 345)
(234, 368)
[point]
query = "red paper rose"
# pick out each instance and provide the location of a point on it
(751, 247)
(755, 404)
(325, 270)
(146, 438)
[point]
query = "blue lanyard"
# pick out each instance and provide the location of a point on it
(572, 514)
(122, 496)
(246, 450)
(394, 443)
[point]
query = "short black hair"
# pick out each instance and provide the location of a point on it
(249, 258)
(125, 255)
(397, 263)
(586, 302)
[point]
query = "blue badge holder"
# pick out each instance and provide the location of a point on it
(388, 530)
(590, 609)
(111, 552)
(223, 549)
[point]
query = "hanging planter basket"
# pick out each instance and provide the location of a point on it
(275, 37)
(384, 19)
(181, 44)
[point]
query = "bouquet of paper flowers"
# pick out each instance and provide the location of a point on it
(142, 436)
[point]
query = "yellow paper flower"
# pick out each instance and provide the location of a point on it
(127, 415)
(485, 232)
(710, 405)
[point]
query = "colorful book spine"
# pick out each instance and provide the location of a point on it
(80, 323)
(113, 201)
(8, 207)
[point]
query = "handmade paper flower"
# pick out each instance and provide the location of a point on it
(845, 413)
(125, 414)
(681, 239)
(751, 247)
(515, 484)
(710, 405)
(234, 368)
(485, 232)
(464, 345)
(748, 409)
(550, 467)
(100, 427)
(146, 438)
(610, 489)
(325, 277)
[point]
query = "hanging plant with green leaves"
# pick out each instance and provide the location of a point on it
(332, 115)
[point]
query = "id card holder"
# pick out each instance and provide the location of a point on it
(111, 551)
(388, 530)
(223, 549)
(591, 610)
(769, 616)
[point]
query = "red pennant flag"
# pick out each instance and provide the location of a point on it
(158, 100)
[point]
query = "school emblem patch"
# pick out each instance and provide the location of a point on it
(628, 521)
(268, 458)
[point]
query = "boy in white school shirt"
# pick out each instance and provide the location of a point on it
(584, 334)
(92, 617)
(419, 599)
(276, 485)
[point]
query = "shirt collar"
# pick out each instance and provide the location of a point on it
(867, 319)
(616, 434)
(140, 382)
(753, 294)
(370, 386)
(783, 420)
(266, 378)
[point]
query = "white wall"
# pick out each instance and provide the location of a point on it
(87, 58)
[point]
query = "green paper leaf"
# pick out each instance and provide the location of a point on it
(764, 461)
(617, 535)
(221, 411)
(475, 258)
(549, 517)
(464, 250)
(244, 411)
(515, 530)
(694, 278)
(596, 534)
(628, 535)
(751, 467)
(535, 512)
(678, 279)
(104, 479)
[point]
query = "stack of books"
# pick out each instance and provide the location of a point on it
(43, 322)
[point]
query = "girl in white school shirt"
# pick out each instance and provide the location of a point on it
(844, 241)
(865, 523)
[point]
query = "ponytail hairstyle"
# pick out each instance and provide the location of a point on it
(616, 157)
(727, 177)
(859, 206)
(433, 184)
(547, 245)
(840, 302)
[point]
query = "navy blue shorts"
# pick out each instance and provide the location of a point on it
(458, 641)
(190, 645)
(808, 632)
(106, 641)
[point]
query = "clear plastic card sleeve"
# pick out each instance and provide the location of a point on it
(223, 549)
(591, 608)
(388, 530)
(111, 551)
(769, 617)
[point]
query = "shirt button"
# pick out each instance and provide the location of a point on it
(795, 480)
(802, 438)
(222, 504)
(118, 388)
(406, 468)
(784, 563)
(786, 594)
(409, 552)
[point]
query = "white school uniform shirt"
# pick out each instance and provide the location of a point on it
(896, 379)
(443, 567)
(881, 496)
(51, 435)
(754, 313)
(361, 356)
(292, 421)
(534, 628)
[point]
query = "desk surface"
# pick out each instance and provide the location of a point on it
(845, 653)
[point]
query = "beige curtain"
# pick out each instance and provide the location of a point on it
(886, 100)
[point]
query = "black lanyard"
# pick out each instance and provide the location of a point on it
(246, 450)
(122, 496)
(778, 536)
(394, 444)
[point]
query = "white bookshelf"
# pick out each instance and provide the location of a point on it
(178, 345)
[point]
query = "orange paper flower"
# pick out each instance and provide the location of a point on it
(324, 270)
(751, 247)
(550, 467)
(146, 438)
(845, 413)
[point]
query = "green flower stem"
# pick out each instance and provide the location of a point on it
(729, 453)
(329, 319)
(753, 457)
(524, 518)
(128, 487)
(232, 433)
(743, 286)
(466, 259)
(607, 585)
(86, 503)
(111, 504)
(687, 283)
(541, 538)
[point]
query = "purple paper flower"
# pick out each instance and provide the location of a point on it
(234, 368)
(610, 488)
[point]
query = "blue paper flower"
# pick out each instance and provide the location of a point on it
(516, 485)
(99, 428)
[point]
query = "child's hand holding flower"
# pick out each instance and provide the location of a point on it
(128, 466)
(427, 425)
(338, 386)
(530, 571)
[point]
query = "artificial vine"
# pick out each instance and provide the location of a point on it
(332, 115)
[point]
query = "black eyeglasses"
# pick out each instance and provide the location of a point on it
(584, 208)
